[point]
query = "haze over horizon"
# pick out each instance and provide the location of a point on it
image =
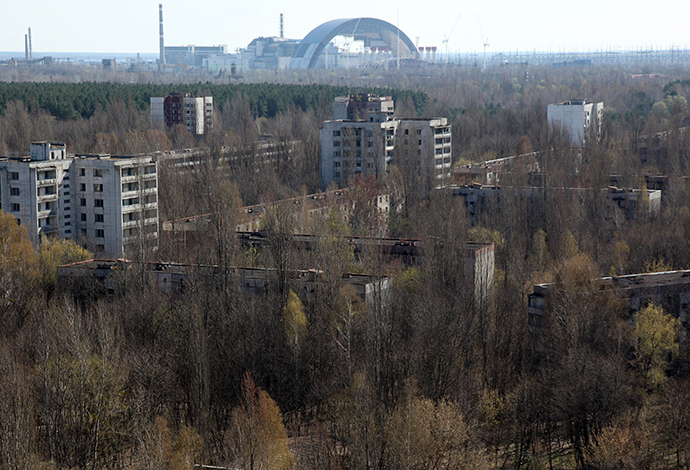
(533, 25)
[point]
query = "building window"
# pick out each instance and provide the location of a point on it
(68, 216)
(15, 207)
(68, 231)
(407, 131)
(100, 247)
(84, 233)
(83, 217)
(98, 188)
(100, 233)
(98, 203)
(14, 175)
(99, 218)
(82, 202)
(336, 133)
(82, 187)
(336, 143)
(14, 191)
(98, 173)
(82, 172)
(336, 153)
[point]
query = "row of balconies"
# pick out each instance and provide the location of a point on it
(135, 223)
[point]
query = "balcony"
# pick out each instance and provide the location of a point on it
(47, 198)
(130, 223)
(46, 182)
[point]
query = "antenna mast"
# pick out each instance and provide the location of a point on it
(485, 41)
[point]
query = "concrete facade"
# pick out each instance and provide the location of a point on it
(191, 55)
(670, 290)
(578, 118)
(106, 203)
(173, 277)
(193, 112)
(367, 142)
(479, 198)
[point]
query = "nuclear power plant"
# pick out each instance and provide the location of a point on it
(336, 44)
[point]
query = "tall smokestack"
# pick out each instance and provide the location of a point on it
(162, 45)
(31, 49)
(26, 47)
(281, 26)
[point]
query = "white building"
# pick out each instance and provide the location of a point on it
(370, 140)
(193, 112)
(109, 204)
(578, 118)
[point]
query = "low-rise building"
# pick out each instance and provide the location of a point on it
(670, 290)
(172, 278)
(479, 198)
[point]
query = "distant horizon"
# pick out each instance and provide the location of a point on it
(151, 56)
(531, 25)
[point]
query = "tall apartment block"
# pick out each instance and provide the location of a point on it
(578, 118)
(109, 204)
(193, 112)
(367, 139)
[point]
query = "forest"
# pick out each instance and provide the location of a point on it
(431, 379)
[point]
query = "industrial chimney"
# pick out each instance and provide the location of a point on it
(281, 26)
(31, 49)
(162, 43)
(26, 47)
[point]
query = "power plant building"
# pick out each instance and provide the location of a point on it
(193, 112)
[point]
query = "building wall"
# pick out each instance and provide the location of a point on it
(351, 148)
(576, 117)
(172, 278)
(480, 199)
(194, 112)
(84, 199)
(35, 193)
(670, 290)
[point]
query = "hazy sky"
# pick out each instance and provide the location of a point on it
(509, 25)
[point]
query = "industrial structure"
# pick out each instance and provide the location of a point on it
(28, 48)
(341, 43)
(193, 112)
(109, 204)
(373, 34)
(578, 118)
(367, 139)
